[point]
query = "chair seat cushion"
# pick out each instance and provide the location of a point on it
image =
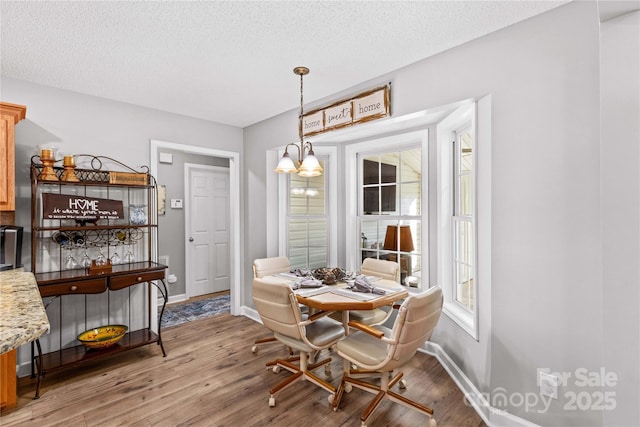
(322, 333)
(363, 349)
(368, 317)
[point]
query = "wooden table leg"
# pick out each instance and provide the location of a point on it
(8, 383)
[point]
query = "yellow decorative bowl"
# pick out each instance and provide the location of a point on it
(103, 336)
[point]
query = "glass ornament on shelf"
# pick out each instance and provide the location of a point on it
(70, 262)
(85, 261)
(137, 216)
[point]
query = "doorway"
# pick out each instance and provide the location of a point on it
(206, 229)
(234, 260)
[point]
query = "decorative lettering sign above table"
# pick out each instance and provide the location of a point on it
(63, 206)
(370, 105)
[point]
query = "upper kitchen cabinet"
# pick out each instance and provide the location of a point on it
(10, 115)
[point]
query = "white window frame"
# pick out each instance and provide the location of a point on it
(459, 218)
(396, 142)
(331, 181)
(446, 131)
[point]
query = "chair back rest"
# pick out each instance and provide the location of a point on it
(278, 307)
(416, 320)
(381, 268)
(267, 266)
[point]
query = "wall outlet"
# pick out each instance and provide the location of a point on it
(548, 384)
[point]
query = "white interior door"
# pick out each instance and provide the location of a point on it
(207, 229)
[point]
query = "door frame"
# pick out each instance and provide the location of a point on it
(187, 217)
(237, 294)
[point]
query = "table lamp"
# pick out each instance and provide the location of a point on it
(391, 238)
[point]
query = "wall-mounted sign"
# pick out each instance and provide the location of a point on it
(65, 206)
(370, 105)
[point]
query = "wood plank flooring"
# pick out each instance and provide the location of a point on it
(210, 377)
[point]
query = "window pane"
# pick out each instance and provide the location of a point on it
(369, 234)
(464, 253)
(466, 194)
(411, 170)
(466, 158)
(416, 232)
(307, 195)
(318, 233)
(464, 287)
(317, 257)
(297, 233)
(410, 199)
(389, 168)
(298, 257)
(370, 170)
(371, 200)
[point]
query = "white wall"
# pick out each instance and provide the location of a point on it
(546, 238)
(90, 125)
(620, 181)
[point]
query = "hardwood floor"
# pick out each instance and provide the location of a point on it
(210, 377)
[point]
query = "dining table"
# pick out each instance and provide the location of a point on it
(338, 297)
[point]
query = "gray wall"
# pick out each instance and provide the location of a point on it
(620, 181)
(545, 307)
(564, 234)
(171, 238)
(85, 124)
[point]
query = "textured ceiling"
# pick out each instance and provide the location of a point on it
(231, 62)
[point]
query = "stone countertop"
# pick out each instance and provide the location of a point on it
(22, 315)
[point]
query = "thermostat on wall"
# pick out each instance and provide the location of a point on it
(176, 203)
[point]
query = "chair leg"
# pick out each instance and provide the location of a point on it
(382, 392)
(300, 372)
(254, 349)
(372, 406)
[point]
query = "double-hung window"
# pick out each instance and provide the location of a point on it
(390, 208)
(308, 221)
(464, 254)
(457, 218)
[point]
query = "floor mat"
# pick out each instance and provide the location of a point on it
(177, 314)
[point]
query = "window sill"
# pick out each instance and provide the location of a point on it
(461, 317)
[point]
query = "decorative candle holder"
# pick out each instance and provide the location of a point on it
(69, 174)
(47, 159)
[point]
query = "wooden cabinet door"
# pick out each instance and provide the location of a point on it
(7, 165)
(10, 114)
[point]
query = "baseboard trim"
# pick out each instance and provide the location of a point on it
(172, 299)
(251, 313)
(493, 417)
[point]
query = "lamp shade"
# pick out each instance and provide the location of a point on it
(391, 238)
(310, 166)
(286, 165)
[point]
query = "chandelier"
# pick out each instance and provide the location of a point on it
(307, 165)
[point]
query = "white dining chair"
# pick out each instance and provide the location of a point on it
(280, 312)
(386, 350)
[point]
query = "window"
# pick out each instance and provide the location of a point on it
(463, 256)
(457, 227)
(307, 221)
(390, 209)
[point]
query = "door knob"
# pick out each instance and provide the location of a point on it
(191, 239)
